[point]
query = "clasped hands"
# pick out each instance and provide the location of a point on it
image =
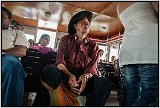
(77, 86)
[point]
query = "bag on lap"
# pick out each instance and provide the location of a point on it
(61, 96)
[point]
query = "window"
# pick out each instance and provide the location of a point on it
(28, 36)
(51, 34)
(104, 48)
(114, 48)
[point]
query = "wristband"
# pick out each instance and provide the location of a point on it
(86, 77)
(4, 52)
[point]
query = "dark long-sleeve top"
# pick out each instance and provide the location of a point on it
(72, 55)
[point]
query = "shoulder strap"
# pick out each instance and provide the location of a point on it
(15, 38)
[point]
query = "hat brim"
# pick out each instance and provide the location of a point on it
(77, 17)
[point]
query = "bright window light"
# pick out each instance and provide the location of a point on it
(113, 51)
(28, 36)
(104, 48)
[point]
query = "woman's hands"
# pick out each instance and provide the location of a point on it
(83, 79)
(73, 84)
(78, 86)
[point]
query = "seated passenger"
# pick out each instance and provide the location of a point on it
(18, 26)
(14, 45)
(76, 64)
(100, 53)
(113, 58)
(43, 42)
(31, 43)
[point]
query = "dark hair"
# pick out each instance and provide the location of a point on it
(30, 40)
(44, 36)
(100, 51)
(17, 24)
(8, 12)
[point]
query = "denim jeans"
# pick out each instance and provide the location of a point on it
(140, 84)
(13, 76)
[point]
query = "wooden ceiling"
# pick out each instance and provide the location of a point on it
(105, 22)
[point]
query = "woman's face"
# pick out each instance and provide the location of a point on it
(44, 41)
(83, 26)
(31, 43)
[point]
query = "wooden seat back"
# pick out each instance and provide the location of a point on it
(33, 63)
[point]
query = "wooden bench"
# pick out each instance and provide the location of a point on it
(33, 63)
(108, 71)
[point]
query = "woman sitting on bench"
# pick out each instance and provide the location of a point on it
(43, 42)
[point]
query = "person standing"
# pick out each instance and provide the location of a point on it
(139, 52)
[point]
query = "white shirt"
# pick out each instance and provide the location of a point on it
(140, 40)
(11, 38)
